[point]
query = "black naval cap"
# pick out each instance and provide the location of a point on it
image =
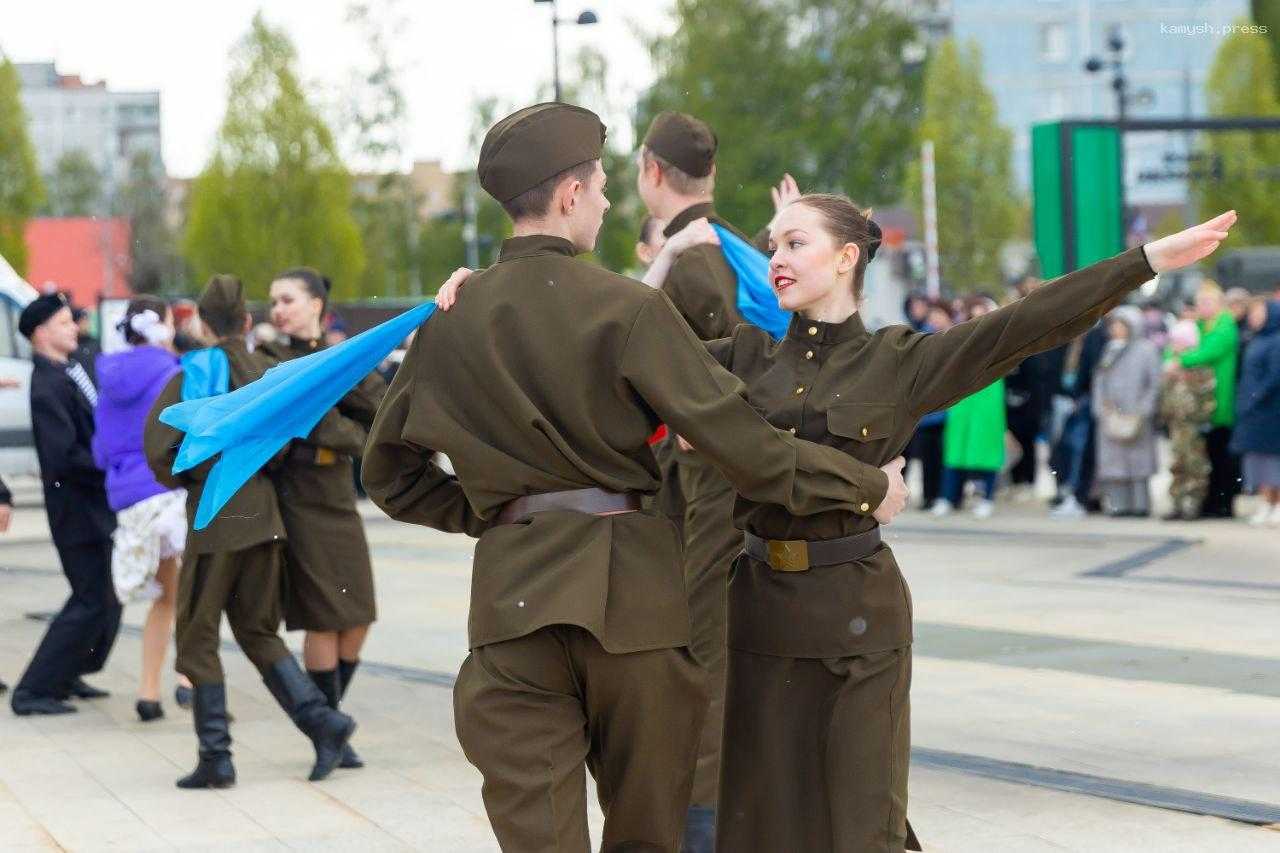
(38, 312)
(221, 305)
(536, 143)
(685, 142)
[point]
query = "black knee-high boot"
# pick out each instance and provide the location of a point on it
(330, 683)
(209, 711)
(329, 730)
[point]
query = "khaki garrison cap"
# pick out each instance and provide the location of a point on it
(683, 141)
(536, 143)
(221, 304)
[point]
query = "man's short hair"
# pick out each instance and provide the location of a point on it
(680, 180)
(534, 203)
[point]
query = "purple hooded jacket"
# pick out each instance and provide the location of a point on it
(128, 384)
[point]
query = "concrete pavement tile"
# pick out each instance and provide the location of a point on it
(93, 823)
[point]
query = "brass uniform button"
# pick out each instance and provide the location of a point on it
(864, 432)
(809, 354)
(793, 430)
(865, 507)
(799, 390)
(813, 330)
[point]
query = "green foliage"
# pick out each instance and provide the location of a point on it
(979, 207)
(1266, 13)
(1242, 82)
(75, 186)
(21, 190)
(817, 88)
(155, 266)
(275, 193)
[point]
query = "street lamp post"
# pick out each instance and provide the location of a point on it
(1119, 85)
(584, 18)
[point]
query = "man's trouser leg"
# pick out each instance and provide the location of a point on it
(531, 712)
(711, 545)
(246, 584)
(81, 634)
(255, 606)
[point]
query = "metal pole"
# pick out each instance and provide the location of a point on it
(1122, 97)
(933, 284)
(555, 48)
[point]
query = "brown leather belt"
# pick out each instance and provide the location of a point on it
(800, 555)
(590, 501)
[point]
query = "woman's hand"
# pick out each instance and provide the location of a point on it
(785, 192)
(448, 292)
(696, 233)
(1186, 247)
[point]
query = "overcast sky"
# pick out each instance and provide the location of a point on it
(452, 50)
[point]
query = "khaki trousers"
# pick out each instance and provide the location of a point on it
(533, 713)
(246, 585)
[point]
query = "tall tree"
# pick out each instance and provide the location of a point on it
(1244, 165)
(386, 208)
(979, 206)
(1266, 13)
(21, 190)
(155, 266)
(819, 88)
(75, 186)
(275, 193)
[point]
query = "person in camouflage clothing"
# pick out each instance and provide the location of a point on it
(1187, 403)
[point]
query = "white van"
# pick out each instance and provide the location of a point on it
(17, 450)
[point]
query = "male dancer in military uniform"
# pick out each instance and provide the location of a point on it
(234, 565)
(676, 180)
(542, 387)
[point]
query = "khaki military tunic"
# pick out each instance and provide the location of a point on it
(817, 736)
(704, 289)
(329, 575)
(551, 375)
(233, 565)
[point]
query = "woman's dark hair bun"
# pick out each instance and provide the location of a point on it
(877, 236)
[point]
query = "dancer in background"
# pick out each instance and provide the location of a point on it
(81, 635)
(329, 574)
(152, 519)
(234, 565)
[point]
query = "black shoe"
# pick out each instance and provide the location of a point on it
(329, 682)
(25, 703)
(347, 671)
(148, 710)
(81, 690)
(209, 711)
(329, 730)
(3, 687)
(182, 696)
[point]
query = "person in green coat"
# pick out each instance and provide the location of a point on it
(973, 440)
(1219, 351)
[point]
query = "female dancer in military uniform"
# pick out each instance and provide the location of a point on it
(329, 576)
(817, 734)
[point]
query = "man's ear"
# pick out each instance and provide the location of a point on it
(569, 195)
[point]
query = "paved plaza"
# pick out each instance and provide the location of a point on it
(1085, 685)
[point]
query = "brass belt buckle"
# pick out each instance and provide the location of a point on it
(325, 456)
(788, 555)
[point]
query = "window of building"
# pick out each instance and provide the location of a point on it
(1053, 42)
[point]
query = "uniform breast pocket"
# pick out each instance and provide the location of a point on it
(862, 422)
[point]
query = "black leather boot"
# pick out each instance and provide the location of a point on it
(209, 711)
(330, 683)
(347, 671)
(329, 730)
